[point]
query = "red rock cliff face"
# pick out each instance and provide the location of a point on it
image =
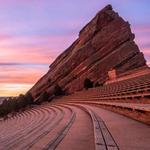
(105, 42)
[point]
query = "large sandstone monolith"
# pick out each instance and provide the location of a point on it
(105, 43)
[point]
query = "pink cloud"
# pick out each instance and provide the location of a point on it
(146, 53)
(24, 57)
(5, 37)
(142, 39)
(15, 74)
(24, 49)
(142, 28)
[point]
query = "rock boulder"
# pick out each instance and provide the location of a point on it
(105, 43)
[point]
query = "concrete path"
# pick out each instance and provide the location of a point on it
(68, 126)
(80, 136)
(128, 133)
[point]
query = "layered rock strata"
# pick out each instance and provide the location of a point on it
(105, 43)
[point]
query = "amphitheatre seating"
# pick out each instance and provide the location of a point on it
(137, 87)
(45, 126)
(27, 129)
(26, 121)
(121, 96)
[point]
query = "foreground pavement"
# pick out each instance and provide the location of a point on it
(68, 126)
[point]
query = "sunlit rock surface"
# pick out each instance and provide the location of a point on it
(105, 43)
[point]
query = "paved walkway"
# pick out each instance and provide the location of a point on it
(68, 126)
(128, 133)
(80, 136)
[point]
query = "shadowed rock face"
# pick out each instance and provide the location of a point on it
(105, 42)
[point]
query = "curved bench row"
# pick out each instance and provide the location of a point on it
(16, 122)
(43, 130)
(63, 132)
(27, 121)
(137, 87)
(57, 131)
(31, 127)
(140, 112)
(25, 124)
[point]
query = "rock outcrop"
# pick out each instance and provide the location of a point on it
(105, 43)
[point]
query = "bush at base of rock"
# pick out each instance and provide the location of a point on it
(15, 104)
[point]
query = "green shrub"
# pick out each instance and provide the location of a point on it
(29, 98)
(15, 104)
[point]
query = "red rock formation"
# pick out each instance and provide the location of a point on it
(105, 43)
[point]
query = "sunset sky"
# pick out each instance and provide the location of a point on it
(34, 32)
